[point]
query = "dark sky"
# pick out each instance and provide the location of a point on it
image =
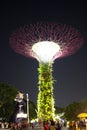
(70, 73)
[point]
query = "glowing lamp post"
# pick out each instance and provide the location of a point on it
(46, 42)
(27, 107)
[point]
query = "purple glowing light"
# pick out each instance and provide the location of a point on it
(66, 37)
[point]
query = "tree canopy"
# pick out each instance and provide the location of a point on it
(75, 108)
(7, 96)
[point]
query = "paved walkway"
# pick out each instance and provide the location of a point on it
(4, 129)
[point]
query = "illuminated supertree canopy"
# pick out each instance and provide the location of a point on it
(46, 42)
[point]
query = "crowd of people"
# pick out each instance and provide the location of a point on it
(44, 125)
(37, 125)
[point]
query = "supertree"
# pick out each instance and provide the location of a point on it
(46, 42)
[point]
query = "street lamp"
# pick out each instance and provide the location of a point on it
(27, 107)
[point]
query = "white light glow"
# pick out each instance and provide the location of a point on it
(21, 115)
(45, 50)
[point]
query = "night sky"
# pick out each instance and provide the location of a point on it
(70, 73)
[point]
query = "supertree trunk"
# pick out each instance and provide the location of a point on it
(45, 102)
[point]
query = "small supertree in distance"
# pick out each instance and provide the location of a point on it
(46, 41)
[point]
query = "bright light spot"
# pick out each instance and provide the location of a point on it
(45, 50)
(21, 115)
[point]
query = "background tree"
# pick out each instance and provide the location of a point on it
(75, 108)
(83, 106)
(7, 96)
(72, 110)
(59, 110)
(32, 110)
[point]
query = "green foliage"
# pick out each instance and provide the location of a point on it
(83, 106)
(7, 95)
(71, 111)
(45, 96)
(32, 110)
(59, 110)
(75, 108)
